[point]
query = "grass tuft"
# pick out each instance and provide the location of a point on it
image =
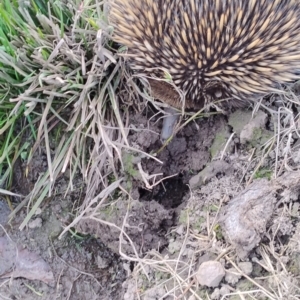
(59, 80)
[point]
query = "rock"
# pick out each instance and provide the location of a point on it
(224, 290)
(155, 293)
(36, 223)
(239, 119)
(130, 289)
(101, 262)
(215, 294)
(210, 273)
(232, 276)
(254, 127)
(180, 229)
(174, 246)
(246, 267)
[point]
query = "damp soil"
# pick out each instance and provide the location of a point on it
(86, 262)
(83, 266)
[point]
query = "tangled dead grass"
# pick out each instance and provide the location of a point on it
(73, 86)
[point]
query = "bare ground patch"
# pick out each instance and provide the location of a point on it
(147, 238)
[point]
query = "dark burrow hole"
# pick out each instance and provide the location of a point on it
(169, 193)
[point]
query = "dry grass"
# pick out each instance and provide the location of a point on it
(73, 89)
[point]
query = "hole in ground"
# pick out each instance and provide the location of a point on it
(169, 193)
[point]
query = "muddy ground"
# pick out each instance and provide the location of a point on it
(172, 228)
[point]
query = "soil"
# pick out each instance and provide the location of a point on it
(82, 266)
(134, 245)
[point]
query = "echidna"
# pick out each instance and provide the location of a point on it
(213, 49)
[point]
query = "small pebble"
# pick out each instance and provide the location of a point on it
(210, 273)
(36, 223)
(232, 276)
(224, 290)
(215, 294)
(246, 267)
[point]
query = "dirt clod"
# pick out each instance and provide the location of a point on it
(245, 218)
(210, 273)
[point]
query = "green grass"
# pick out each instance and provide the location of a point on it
(58, 82)
(12, 76)
(10, 143)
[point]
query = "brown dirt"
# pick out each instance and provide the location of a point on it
(83, 267)
(88, 265)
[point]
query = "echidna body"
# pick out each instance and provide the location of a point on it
(213, 49)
